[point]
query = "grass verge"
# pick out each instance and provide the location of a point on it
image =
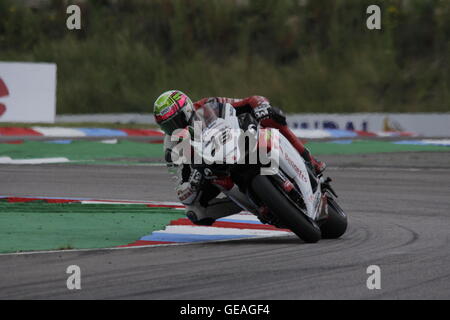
(43, 226)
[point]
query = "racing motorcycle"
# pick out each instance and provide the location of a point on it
(276, 185)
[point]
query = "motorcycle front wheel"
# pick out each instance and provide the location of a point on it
(285, 210)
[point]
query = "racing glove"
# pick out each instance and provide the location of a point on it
(185, 193)
(266, 111)
(262, 111)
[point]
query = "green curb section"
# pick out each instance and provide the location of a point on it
(35, 226)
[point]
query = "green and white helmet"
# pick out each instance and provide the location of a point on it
(173, 110)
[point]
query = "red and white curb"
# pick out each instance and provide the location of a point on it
(8, 160)
(77, 132)
(157, 204)
(239, 226)
(104, 132)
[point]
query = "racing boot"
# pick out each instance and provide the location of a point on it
(318, 166)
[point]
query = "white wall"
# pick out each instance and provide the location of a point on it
(31, 92)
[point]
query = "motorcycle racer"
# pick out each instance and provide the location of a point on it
(174, 110)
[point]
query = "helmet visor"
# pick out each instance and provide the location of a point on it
(177, 121)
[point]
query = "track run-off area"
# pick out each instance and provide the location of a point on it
(398, 206)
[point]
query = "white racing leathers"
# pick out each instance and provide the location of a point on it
(201, 208)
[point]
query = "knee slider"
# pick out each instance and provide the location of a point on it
(200, 222)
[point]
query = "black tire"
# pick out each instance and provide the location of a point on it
(289, 215)
(336, 223)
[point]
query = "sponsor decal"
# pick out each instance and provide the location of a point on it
(296, 168)
(330, 124)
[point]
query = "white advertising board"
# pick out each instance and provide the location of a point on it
(27, 92)
(427, 124)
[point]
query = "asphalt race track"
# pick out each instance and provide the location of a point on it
(398, 206)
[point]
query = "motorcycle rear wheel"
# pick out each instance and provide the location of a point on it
(285, 210)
